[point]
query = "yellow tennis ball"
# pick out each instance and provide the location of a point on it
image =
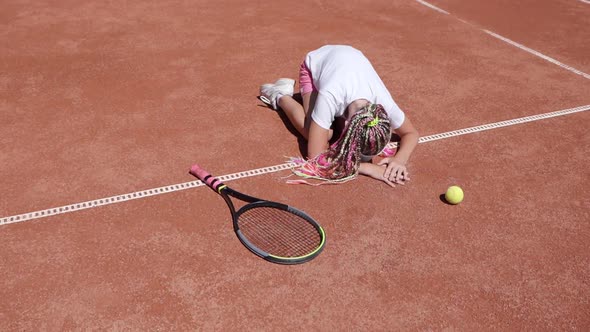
(454, 195)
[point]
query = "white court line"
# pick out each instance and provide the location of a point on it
(542, 56)
(586, 1)
(513, 43)
(432, 6)
(271, 169)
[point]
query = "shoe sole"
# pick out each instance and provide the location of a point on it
(265, 100)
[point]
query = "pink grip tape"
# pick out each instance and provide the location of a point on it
(197, 171)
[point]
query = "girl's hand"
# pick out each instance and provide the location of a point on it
(375, 171)
(395, 171)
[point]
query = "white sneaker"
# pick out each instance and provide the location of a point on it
(270, 91)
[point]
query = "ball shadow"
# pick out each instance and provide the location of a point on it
(444, 200)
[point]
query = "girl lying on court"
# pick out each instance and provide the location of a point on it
(338, 83)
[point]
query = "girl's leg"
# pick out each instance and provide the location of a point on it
(298, 114)
(294, 112)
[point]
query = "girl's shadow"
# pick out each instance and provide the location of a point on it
(301, 142)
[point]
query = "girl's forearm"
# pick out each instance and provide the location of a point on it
(406, 146)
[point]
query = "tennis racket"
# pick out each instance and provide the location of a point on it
(276, 232)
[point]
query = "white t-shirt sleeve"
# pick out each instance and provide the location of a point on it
(324, 110)
(396, 115)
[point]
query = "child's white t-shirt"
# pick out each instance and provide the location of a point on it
(342, 74)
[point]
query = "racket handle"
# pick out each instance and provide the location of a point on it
(206, 177)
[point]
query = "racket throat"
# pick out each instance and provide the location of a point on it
(232, 209)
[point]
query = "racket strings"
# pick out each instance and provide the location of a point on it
(279, 232)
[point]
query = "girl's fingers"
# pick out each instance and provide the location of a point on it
(391, 175)
(390, 171)
(401, 175)
(395, 173)
(389, 183)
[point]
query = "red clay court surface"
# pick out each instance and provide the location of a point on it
(100, 99)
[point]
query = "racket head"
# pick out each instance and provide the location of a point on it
(279, 233)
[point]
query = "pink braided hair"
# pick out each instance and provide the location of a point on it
(367, 133)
